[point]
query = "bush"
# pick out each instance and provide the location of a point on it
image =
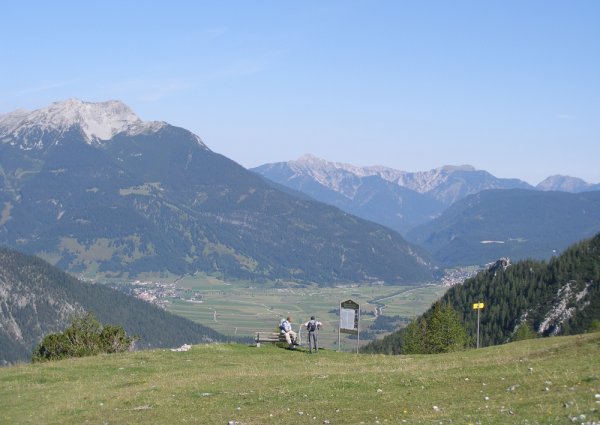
(524, 331)
(594, 326)
(84, 337)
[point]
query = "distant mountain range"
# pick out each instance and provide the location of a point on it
(461, 215)
(397, 199)
(37, 299)
(92, 188)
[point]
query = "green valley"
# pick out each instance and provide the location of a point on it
(240, 309)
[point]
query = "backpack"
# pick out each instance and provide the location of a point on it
(311, 326)
(282, 326)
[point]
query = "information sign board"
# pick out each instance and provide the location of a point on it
(349, 317)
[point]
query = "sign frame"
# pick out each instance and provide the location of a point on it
(349, 321)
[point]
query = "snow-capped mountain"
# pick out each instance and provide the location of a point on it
(98, 122)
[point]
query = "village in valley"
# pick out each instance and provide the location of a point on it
(160, 293)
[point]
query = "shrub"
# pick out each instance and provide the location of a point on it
(524, 331)
(594, 326)
(84, 337)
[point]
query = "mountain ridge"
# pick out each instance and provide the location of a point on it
(98, 121)
(324, 172)
(566, 184)
(397, 199)
(513, 223)
(162, 200)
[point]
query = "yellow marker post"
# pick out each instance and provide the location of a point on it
(478, 306)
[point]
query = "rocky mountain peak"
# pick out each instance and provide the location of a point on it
(326, 172)
(313, 165)
(564, 184)
(98, 121)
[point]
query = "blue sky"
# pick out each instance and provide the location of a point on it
(511, 87)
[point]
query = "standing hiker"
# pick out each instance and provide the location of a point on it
(312, 326)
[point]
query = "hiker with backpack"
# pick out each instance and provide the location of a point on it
(312, 326)
(290, 335)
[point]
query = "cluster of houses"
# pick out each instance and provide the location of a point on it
(458, 275)
(160, 293)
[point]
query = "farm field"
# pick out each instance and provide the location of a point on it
(238, 309)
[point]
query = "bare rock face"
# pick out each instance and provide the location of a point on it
(97, 121)
(500, 265)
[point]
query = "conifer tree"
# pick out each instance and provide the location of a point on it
(445, 332)
(414, 337)
(440, 332)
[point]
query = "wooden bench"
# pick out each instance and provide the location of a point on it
(268, 336)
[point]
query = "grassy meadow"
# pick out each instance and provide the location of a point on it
(543, 381)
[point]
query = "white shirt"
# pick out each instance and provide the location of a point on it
(287, 326)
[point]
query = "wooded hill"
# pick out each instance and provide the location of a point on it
(37, 298)
(514, 223)
(558, 297)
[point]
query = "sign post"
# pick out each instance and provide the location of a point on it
(349, 321)
(478, 306)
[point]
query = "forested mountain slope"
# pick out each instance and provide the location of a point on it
(512, 223)
(558, 297)
(37, 299)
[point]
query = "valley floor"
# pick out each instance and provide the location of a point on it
(241, 309)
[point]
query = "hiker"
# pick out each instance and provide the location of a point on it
(312, 326)
(290, 335)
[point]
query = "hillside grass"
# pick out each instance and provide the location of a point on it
(542, 381)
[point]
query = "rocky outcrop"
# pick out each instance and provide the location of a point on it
(500, 265)
(568, 301)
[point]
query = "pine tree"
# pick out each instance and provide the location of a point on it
(445, 332)
(440, 332)
(414, 337)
